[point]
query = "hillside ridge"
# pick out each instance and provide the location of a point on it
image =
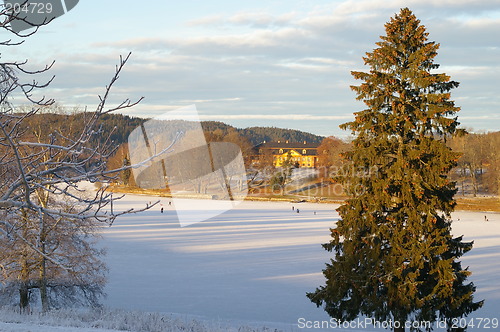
(120, 126)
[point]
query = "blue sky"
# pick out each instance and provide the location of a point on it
(274, 63)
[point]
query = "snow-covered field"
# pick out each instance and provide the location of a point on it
(252, 265)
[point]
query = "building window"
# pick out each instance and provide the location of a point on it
(304, 151)
(281, 151)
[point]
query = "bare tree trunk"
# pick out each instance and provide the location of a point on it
(474, 180)
(399, 322)
(399, 326)
(498, 193)
(43, 286)
(43, 199)
(463, 176)
(24, 300)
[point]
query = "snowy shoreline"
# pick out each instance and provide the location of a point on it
(306, 199)
(112, 320)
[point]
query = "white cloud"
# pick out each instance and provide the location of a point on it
(210, 100)
(260, 19)
(257, 65)
(482, 23)
(207, 20)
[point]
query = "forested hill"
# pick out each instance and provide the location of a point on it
(257, 135)
(120, 126)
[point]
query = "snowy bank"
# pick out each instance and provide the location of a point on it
(113, 320)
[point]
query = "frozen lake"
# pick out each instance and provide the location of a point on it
(254, 263)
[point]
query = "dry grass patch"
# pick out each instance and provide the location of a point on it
(478, 203)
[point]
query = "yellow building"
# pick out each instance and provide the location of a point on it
(301, 154)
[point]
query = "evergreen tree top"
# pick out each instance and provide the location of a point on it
(403, 95)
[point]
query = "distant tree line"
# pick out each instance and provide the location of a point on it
(478, 170)
(119, 127)
(257, 135)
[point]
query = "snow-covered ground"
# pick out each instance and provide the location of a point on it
(252, 265)
(28, 327)
(112, 320)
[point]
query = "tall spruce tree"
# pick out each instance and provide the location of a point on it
(395, 258)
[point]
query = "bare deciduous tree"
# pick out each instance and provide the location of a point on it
(48, 222)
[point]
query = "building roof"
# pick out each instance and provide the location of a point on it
(288, 145)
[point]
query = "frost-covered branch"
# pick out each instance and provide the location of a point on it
(45, 215)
